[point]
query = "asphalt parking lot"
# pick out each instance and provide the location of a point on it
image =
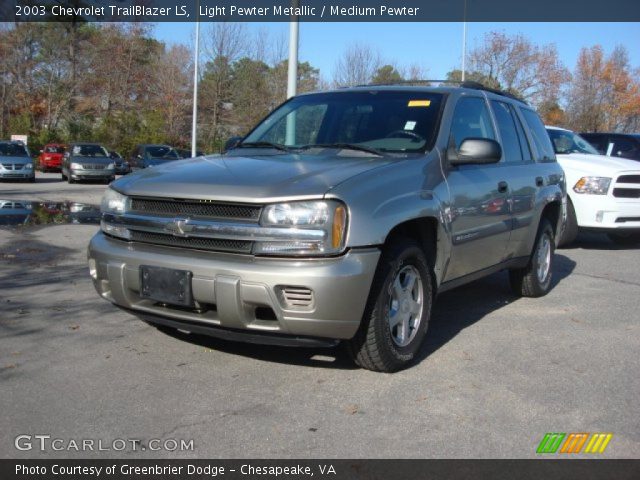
(495, 375)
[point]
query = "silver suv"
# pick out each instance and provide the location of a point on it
(338, 218)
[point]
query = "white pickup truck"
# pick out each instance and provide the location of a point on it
(603, 192)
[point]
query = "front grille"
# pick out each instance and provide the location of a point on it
(13, 166)
(628, 179)
(195, 243)
(93, 166)
(626, 192)
(195, 208)
(297, 297)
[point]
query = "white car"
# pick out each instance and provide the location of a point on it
(603, 192)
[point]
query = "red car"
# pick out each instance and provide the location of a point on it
(51, 157)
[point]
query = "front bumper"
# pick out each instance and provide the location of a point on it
(606, 213)
(17, 174)
(92, 174)
(231, 290)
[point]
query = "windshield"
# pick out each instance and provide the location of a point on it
(51, 149)
(565, 142)
(162, 152)
(89, 151)
(13, 150)
(387, 121)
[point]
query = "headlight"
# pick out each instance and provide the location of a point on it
(592, 185)
(75, 166)
(28, 166)
(111, 166)
(326, 218)
(113, 202)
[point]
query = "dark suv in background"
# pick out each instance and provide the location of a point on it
(144, 156)
(625, 145)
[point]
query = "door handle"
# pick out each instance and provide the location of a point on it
(503, 187)
(539, 182)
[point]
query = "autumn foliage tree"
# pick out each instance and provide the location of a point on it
(605, 92)
(514, 63)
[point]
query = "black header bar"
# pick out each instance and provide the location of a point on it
(321, 469)
(320, 10)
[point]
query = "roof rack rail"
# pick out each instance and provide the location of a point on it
(480, 86)
(415, 81)
(462, 84)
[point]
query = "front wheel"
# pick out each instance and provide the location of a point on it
(397, 313)
(535, 279)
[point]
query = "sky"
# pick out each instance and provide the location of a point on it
(437, 47)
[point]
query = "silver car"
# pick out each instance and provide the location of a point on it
(340, 217)
(16, 162)
(87, 161)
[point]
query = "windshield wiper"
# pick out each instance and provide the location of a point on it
(348, 146)
(277, 146)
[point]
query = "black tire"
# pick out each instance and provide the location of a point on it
(528, 281)
(571, 228)
(32, 180)
(375, 346)
(625, 239)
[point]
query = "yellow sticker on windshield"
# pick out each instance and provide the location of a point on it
(419, 103)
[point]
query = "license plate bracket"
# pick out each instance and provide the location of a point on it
(166, 285)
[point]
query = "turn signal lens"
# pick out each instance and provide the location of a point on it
(339, 221)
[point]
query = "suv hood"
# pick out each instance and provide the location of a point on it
(596, 165)
(267, 178)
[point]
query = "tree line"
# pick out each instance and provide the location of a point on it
(116, 84)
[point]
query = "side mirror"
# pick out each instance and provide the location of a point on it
(475, 151)
(232, 143)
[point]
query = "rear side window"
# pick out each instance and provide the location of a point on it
(539, 134)
(511, 148)
(471, 120)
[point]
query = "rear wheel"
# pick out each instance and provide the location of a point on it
(397, 313)
(535, 279)
(625, 239)
(571, 227)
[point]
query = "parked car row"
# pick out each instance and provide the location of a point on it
(82, 160)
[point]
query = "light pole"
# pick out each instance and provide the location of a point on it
(292, 77)
(464, 39)
(194, 120)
